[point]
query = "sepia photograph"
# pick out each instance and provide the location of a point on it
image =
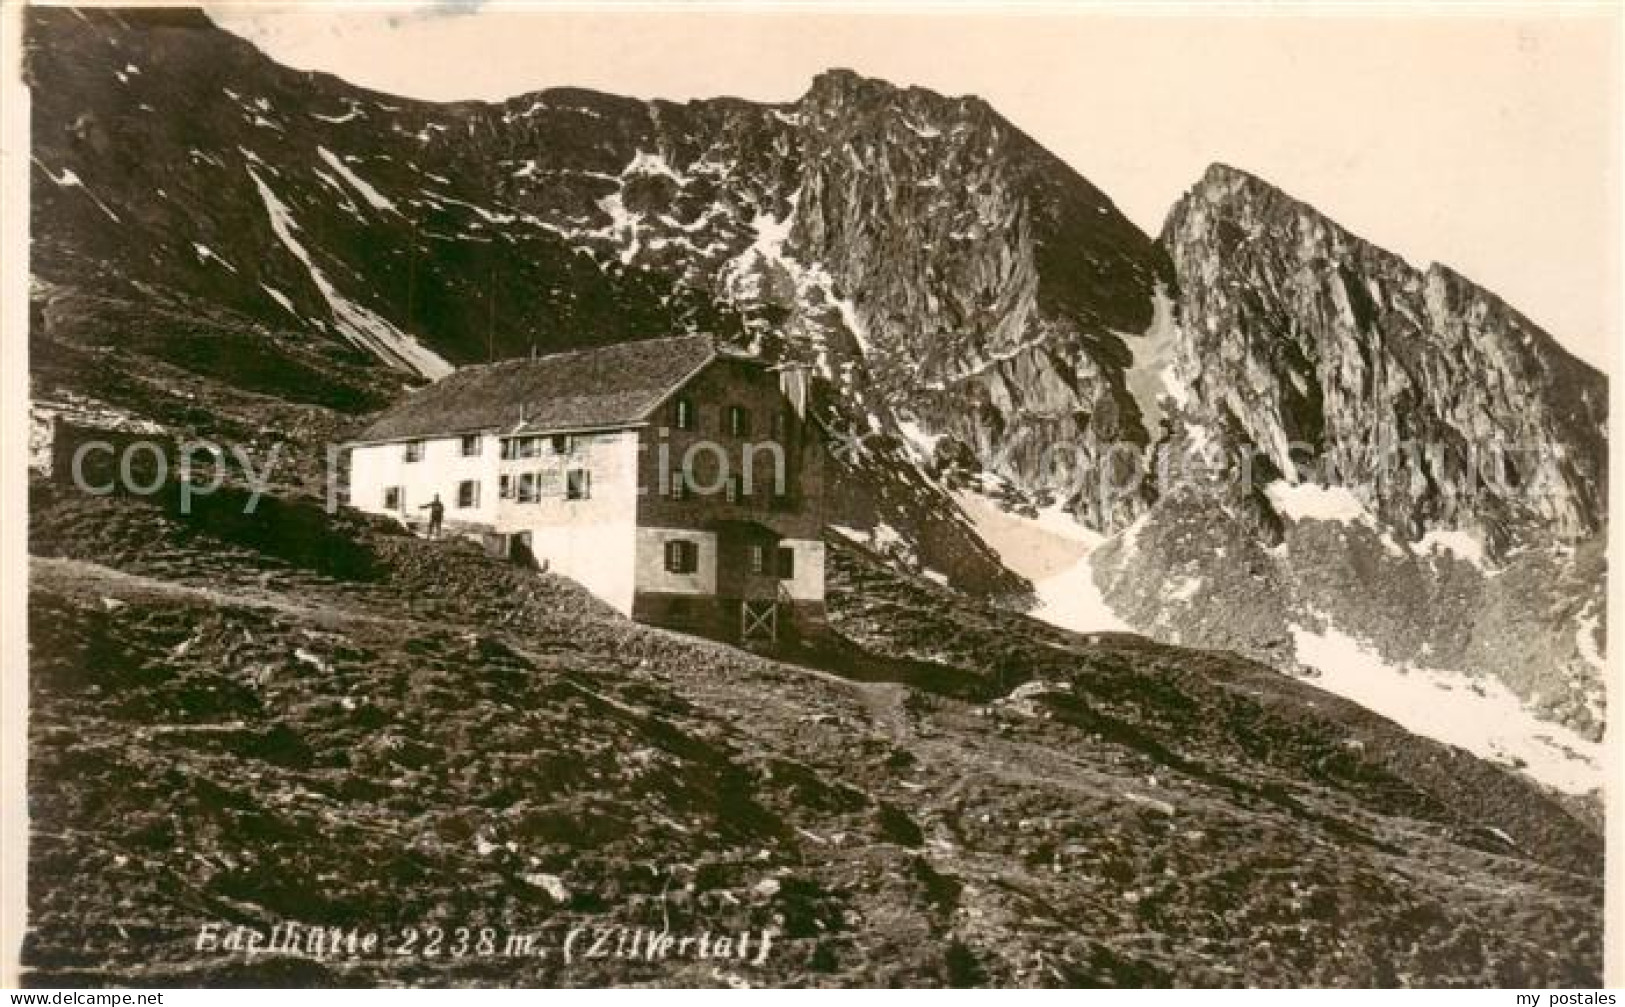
(997, 495)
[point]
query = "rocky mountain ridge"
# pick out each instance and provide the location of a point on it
(918, 250)
(977, 314)
(318, 718)
(1407, 477)
(1438, 404)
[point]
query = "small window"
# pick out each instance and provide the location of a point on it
(527, 487)
(505, 487)
(738, 421)
(682, 556)
(471, 445)
(414, 451)
(677, 488)
(684, 410)
(392, 498)
(577, 484)
(784, 563)
(468, 494)
(563, 444)
(758, 559)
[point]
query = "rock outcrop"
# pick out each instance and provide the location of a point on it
(211, 227)
(1386, 454)
(1437, 403)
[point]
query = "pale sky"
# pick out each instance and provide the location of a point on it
(1486, 141)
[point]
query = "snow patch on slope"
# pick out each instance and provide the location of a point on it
(921, 444)
(70, 180)
(1155, 370)
(645, 163)
(279, 297)
(1333, 504)
(1461, 544)
(359, 325)
(623, 225)
(206, 254)
(1478, 714)
(373, 197)
(1585, 639)
(1309, 502)
(1053, 552)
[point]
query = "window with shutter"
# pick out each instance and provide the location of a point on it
(682, 556)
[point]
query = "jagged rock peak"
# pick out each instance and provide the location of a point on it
(1299, 331)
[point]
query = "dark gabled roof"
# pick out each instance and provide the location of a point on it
(611, 386)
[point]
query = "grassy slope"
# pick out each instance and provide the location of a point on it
(373, 730)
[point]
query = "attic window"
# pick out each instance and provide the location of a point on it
(738, 421)
(685, 414)
(471, 445)
(563, 444)
(414, 451)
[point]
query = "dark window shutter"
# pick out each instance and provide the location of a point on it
(682, 556)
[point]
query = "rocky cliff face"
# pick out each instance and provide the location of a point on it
(1438, 403)
(957, 288)
(213, 228)
(1387, 457)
